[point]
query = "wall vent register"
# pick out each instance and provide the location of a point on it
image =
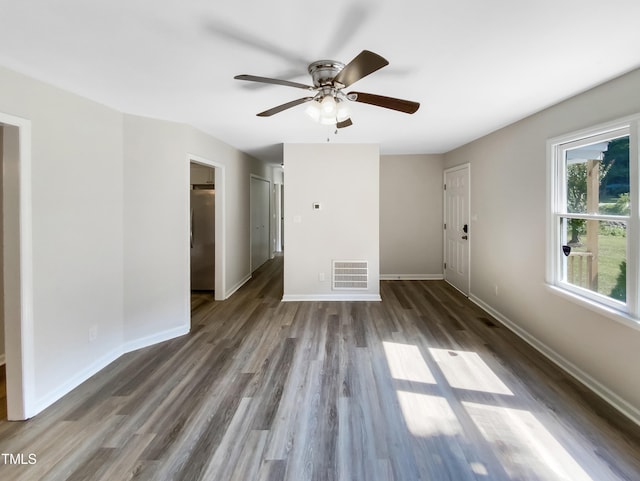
(350, 275)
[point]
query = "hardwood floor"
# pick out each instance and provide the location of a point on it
(423, 386)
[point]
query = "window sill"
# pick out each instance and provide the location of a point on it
(609, 312)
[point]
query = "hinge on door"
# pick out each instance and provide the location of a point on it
(445, 186)
(445, 265)
(445, 227)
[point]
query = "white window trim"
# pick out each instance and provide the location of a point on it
(628, 314)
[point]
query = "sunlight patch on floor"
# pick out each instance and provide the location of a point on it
(467, 370)
(523, 444)
(479, 468)
(406, 363)
(427, 415)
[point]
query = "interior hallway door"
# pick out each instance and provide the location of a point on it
(456, 227)
(260, 227)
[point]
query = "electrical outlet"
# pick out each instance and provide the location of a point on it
(93, 333)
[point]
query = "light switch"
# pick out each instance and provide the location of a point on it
(316, 206)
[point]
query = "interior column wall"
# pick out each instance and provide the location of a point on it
(344, 179)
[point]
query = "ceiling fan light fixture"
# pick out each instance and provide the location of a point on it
(342, 111)
(314, 110)
(328, 110)
(328, 120)
(328, 105)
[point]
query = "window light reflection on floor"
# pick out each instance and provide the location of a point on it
(467, 370)
(519, 439)
(406, 363)
(427, 415)
(523, 443)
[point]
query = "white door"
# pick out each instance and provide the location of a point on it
(260, 193)
(456, 228)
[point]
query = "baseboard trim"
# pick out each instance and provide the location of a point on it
(95, 367)
(411, 277)
(233, 290)
(165, 335)
(594, 385)
(80, 377)
(331, 297)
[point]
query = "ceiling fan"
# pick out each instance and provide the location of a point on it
(329, 105)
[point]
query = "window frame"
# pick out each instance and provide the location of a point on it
(629, 312)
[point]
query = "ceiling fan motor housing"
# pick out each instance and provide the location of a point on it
(324, 71)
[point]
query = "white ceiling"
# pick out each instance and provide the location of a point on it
(474, 65)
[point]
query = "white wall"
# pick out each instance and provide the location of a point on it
(109, 212)
(76, 200)
(156, 165)
(411, 216)
(508, 199)
(155, 287)
(344, 179)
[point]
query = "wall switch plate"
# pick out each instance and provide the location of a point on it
(317, 206)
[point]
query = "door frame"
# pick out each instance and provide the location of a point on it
(467, 167)
(269, 238)
(220, 292)
(278, 217)
(18, 275)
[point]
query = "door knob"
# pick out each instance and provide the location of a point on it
(465, 237)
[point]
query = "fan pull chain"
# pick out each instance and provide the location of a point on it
(335, 132)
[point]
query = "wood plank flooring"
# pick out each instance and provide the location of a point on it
(422, 386)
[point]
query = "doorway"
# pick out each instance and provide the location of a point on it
(16, 272)
(3, 371)
(260, 193)
(457, 235)
(278, 202)
(202, 228)
(208, 176)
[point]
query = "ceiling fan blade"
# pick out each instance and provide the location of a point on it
(251, 40)
(406, 106)
(287, 75)
(363, 64)
(351, 20)
(267, 80)
(280, 108)
(344, 123)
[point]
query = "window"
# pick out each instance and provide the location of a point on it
(593, 245)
